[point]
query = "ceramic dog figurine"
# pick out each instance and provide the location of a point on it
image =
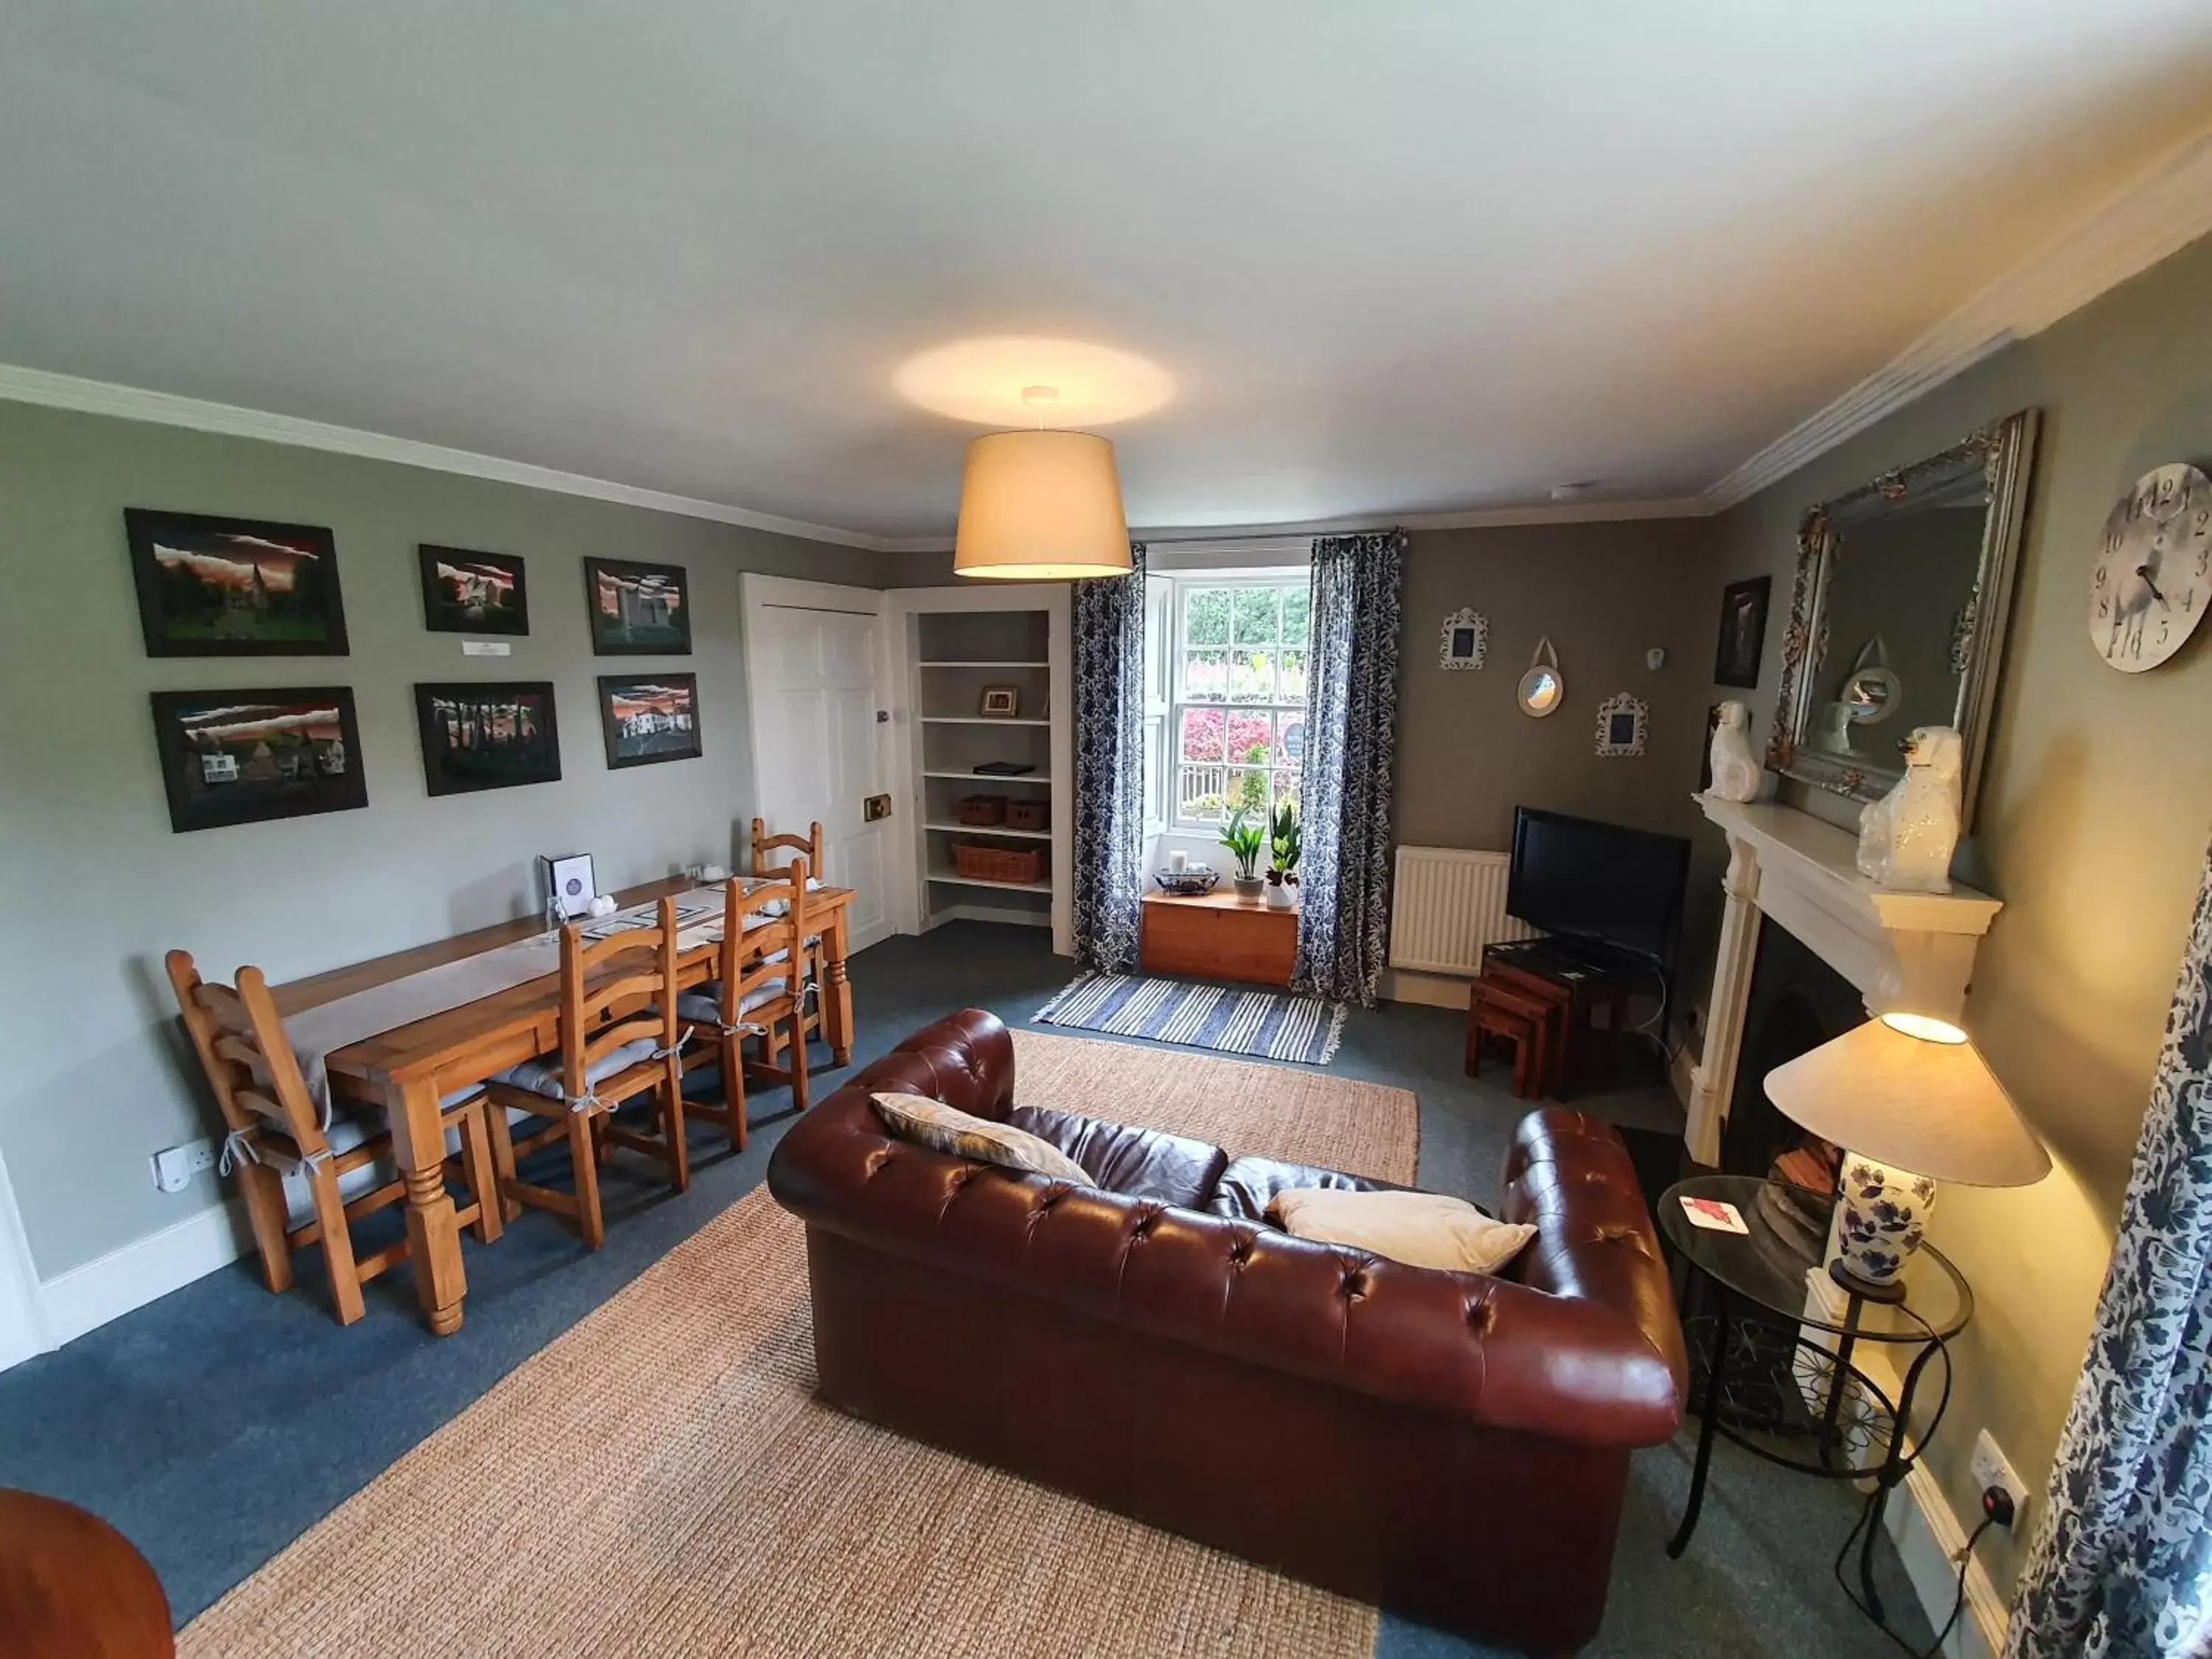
(1906, 838)
(1736, 769)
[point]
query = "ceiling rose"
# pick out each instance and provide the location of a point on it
(985, 380)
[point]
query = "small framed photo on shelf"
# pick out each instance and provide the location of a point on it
(649, 718)
(230, 757)
(1001, 702)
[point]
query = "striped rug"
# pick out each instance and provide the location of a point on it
(1268, 1024)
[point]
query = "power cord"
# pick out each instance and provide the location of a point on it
(1997, 1511)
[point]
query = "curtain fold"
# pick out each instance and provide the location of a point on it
(1344, 797)
(1107, 616)
(2122, 1564)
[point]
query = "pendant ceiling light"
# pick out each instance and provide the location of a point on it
(1041, 505)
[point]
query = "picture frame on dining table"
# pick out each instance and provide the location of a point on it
(647, 719)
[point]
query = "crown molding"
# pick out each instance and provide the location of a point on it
(2159, 214)
(37, 385)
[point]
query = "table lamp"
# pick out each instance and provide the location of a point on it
(1911, 1101)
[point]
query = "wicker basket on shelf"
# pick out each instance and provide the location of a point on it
(1026, 814)
(980, 812)
(980, 863)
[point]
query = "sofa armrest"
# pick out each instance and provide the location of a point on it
(1571, 1175)
(1486, 1350)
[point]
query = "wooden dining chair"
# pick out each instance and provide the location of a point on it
(276, 1126)
(763, 983)
(765, 863)
(620, 1038)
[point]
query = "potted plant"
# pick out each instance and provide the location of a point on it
(1245, 839)
(1283, 840)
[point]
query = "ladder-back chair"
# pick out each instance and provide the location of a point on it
(764, 983)
(619, 1039)
(765, 863)
(275, 1126)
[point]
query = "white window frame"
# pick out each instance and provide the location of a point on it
(1182, 585)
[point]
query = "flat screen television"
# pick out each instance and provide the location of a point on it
(1583, 879)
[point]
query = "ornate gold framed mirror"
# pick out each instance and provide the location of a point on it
(1897, 618)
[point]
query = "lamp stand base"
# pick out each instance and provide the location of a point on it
(1866, 1292)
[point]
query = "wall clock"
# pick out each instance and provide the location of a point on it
(2152, 574)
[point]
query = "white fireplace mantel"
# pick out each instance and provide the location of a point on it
(1912, 951)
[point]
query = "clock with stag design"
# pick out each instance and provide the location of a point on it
(2153, 576)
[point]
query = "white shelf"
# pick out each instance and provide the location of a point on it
(991, 830)
(979, 720)
(982, 663)
(948, 878)
(992, 777)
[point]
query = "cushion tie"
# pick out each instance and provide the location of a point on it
(238, 1147)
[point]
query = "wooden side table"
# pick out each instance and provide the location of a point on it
(71, 1587)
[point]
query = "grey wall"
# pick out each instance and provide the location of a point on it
(2096, 799)
(95, 886)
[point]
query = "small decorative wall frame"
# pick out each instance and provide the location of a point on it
(1467, 639)
(1620, 723)
(1543, 687)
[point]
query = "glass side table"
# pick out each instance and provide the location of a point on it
(1783, 1384)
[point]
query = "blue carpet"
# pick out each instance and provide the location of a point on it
(1267, 1025)
(216, 1426)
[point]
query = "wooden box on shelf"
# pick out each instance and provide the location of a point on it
(980, 863)
(1028, 814)
(980, 812)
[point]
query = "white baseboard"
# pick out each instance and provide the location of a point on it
(1430, 990)
(108, 1287)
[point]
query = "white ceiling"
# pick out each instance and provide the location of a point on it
(1399, 258)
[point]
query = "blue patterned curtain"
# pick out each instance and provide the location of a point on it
(2122, 1566)
(1108, 614)
(1351, 742)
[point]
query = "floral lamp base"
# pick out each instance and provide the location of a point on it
(1881, 1219)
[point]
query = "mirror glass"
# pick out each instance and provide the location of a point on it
(1540, 690)
(1897, 617)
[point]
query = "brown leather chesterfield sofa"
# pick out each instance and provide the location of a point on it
(1450, 1446)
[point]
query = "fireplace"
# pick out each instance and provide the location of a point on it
(1797, 1002)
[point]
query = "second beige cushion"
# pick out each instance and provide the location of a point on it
(1425, 1229)
(948, 1129)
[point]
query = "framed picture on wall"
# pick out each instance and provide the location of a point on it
(465, 593)
(235, 588)
(230, 757)
(649, 718)
(638, 610)
(490, 734)
(1743, 632)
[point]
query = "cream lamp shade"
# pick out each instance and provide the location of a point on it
(1041, 506)
(1915, 1092)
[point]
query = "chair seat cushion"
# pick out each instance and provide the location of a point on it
(705, 1004)
(1139, 1163)
(542, 1076)
(1250, 1185)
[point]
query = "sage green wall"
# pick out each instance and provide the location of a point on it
(95, 886)
(2096, 805)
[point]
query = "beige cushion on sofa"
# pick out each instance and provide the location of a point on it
(1427, 1229)
(932, 1123)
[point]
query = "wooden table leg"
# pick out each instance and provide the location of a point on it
(434, 1237)
(837, 995)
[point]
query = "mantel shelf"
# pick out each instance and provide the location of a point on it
(1795, 846)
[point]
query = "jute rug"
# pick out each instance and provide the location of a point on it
(661, 1480)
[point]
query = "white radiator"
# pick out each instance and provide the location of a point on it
(1445, 905)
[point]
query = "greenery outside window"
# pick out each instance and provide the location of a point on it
(1238, 677)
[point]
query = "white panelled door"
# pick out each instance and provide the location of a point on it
(814, 670)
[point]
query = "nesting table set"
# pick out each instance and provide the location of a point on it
(1545, 1004)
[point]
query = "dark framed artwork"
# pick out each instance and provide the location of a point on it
(487, 734)
(465, 593)
(1743, 632)
(240, 756)
(637, 610)
(649, 718)
(235, 588)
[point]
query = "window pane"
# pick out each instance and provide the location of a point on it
(1290, 739)
(1206, 676)
(1251, 737)
(1295, 603)
(1198, 791)
(1205, 616)
(1203, 734)
(1291, 677)
(1246, 787)
(1255, 619)
(1251, 675)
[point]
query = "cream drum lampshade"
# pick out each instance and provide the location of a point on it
(1041, 506)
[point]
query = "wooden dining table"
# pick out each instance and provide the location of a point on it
(409, 1070)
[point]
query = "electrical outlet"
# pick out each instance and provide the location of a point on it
(1992, 1468)
(176, 1166)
